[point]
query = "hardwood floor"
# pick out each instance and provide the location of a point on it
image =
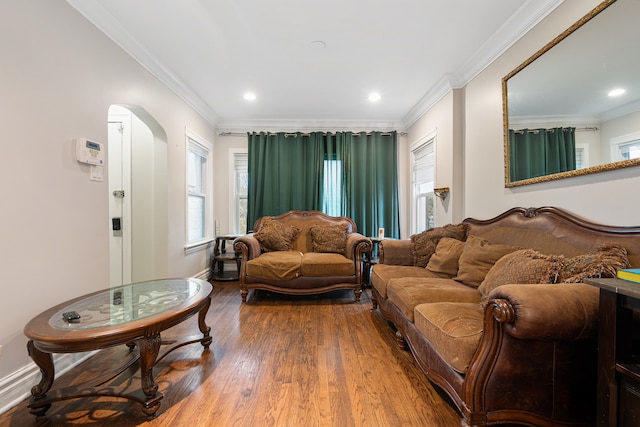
(275, 361)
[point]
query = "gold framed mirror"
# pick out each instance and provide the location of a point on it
(560, 118)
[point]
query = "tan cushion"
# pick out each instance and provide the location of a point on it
(423, 245)
(453, 329)
(525, 266)
(329, 238)
(407, 293)
(276, 236)
(477, 259)
(326, 264)
(381, 274)
(445, 260)
(604, 262)
(283, 265)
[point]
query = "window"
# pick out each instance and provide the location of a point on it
(422, 179)
(625, 147)
(332, 188)
(240, 191)
(198, 190)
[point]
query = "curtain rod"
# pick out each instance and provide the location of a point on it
(585, 129)
(305, 134)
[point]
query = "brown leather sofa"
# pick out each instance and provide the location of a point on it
(503, 350)
(302, 253)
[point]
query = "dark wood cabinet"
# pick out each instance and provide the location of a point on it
(618, 353)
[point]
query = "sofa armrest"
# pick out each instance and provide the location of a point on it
(395, 252)
(358, 245)
(248, 245)
(567, 311)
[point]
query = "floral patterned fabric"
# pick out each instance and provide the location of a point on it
(604, 262)
(329, 238)
(276, 236)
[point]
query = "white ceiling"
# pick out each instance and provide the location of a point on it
(412, 52)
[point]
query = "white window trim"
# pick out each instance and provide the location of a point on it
(621, 140)
(233, 215)
(206, 146)
(431, 135)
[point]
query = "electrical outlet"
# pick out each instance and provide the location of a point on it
(0, 350)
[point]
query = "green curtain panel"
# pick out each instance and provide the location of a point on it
(286, 171)
(539, 152)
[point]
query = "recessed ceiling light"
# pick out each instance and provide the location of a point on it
(374, 97)
(249, 96)
(617, 92)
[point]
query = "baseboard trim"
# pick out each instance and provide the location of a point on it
(16, 387)
(204, 274)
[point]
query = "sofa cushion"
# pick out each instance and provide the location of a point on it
(454, 330)
(477, 259)
(407, 293)
(381, 274)
(525, 266)
(604, 262)
(329, 238)
(423, 245)
(445, 260)
(283, 265)
(276, 236)
(315, 264)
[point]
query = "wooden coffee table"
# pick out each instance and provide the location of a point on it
(134, 315)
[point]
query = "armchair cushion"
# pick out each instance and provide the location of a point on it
(276, 236)
(280, 265)
(329, 238)
(316, 264)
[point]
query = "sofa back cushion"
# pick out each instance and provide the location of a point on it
(478, 256)
(423, 245)
(329, 238)
(446, 258)
(276, 235)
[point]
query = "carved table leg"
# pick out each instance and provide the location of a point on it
(149, 349)
(202, 314)
(44, 361)
(243, 294)
(357, 291)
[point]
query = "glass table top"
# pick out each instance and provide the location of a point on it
(124, 304)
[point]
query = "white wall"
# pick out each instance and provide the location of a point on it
(59, 77)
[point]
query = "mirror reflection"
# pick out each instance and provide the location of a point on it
(573, 108)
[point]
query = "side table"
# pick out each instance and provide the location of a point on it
(370, 261)
(618, 402)
(220, 256)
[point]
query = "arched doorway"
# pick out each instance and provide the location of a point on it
(137, 164)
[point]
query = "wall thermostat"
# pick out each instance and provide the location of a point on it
(89, 152)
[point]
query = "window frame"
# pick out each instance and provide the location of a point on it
(429, 138)
(196, 143)
(234, 197)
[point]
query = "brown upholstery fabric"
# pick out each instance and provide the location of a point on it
(276, 236)
(454, 330)
(382, 273)
(283, 265)
(329, 238)
(521, 267)
(445, 260)
(316, 264)
(407, 293)
(477, 259)
(423, 245)
(604, 262)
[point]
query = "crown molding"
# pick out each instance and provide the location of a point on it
(95, 13)
(308, 126)
(520, 23)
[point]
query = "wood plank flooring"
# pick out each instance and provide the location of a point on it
(275, 361)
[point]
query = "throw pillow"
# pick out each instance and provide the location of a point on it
(276, 236)
(477, 259)
(525, 266)
(329, 238)
(423, 245)
(445, 259)
(604, 262)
